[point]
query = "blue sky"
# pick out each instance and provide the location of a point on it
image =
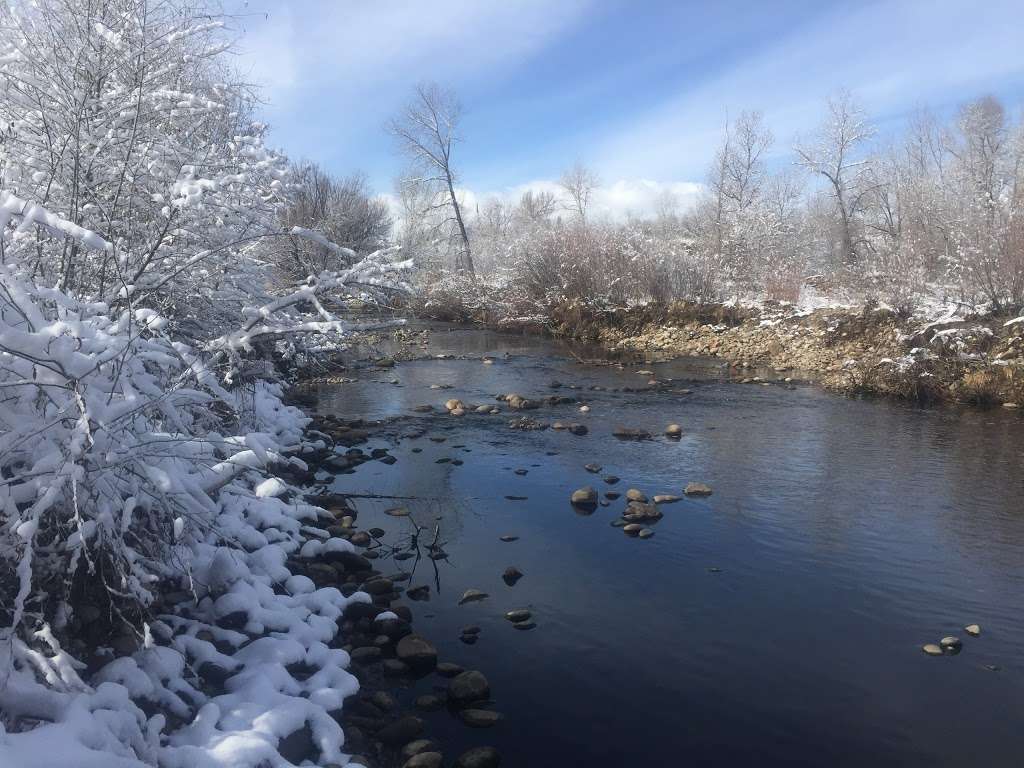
(637, 90)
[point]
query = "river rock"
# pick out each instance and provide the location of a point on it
(452, 404)
(593, 468)
(634, 494)
(419, 592)
(457, 411)
(416, 652)
(666, 498)
(428, 702)
(480, 718)
(366, 655)
(629, 433)
(472, 596)
(360, 538)
(645, 533)
(524, 625)
(578, 429)
(519, 614)
(397, 512)
(583, 497)
(468, 687)
(951, 644)
(418, 746)
(973, 630)
(508, 538)
(447, 669)
(584, 409)
(931, 649)
(401, 731)
(479, 757)
(511, 575)
(674, 431)
(632, 529)
(425, 760)
(697, 489)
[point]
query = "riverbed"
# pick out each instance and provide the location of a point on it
(778, 621)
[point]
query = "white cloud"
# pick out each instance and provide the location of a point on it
(893, 57)
(616, 201)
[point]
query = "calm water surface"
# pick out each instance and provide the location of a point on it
(847, 534)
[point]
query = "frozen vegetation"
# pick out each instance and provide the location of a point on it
(156, 255)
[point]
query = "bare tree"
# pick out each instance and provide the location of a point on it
(536, 207)
(426, 132)
(579, 182)
(835, 153)
(341, 209)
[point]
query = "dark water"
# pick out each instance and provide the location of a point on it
(847, 533)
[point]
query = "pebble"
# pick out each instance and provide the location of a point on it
(674, 430)
(611, 479)
(666, 498)
(584, 409)
(428, 702)
(425, 760)
(697, 489)
(973, 630)
(397, 512)
(645, 533)
(447, 669)
(480, 718)
(519, 614)
(584, 497)
(417, 652)
(479, 757)
(468, 687)
(632, 529)
(593, 468)
(511, 575)
(951, 644)
(418, 746)
(931, 649)
(508, 537)
(524, 625)
(472, 595)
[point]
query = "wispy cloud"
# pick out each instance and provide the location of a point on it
(893, 56)
(331, 70)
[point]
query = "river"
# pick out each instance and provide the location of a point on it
(778, 621)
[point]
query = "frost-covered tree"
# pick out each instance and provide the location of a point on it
(579, 182)
(426, 133)
(122, 117)
(836, 153)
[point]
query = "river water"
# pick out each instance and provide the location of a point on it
(777, 622)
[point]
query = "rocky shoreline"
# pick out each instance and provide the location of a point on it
(969, 359)
(387, 656)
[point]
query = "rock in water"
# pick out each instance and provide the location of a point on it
(973, 630)
(416, 652)
(511, 575)
(634, 494)
(425, 760)
(468, 687)
(931, 649)
(674, 431)
(594, 468)
(452, 404)
(584, 497)
(697, 489)
(479, 757)
(519, 614)
(666, 498)
(480, 718)
(645, 533)
(472, 595)
(951, 644)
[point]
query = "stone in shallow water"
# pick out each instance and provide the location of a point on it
(931, 649)
(697, 489)
(973, 630)
(511, 575)
(468, 687)
(646, 533)
(634, 494)
(951, 644)
(584, 497)
(480, 718)
(447, 669)
(425, 760)
(508, 538)
(479, 757)
(674, 430)
(416, 652)
(519, 614)
(472, 596)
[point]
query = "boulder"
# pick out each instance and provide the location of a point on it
(467, 688)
